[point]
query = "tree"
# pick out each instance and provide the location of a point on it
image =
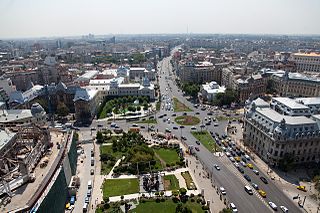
(226, 98)
(62, 109)
(191, 89)
(287, 162)
(99, 137)
(226, 210)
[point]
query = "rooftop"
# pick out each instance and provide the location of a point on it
(5, 137)
(290, 103)
(310, 101)
(307, 54)
(14, 115)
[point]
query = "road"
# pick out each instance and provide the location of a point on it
(228, 177)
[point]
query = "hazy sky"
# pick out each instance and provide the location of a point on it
(34, 18)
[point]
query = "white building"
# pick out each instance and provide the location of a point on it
(307, 61)
(21, 117)
(209, 90)
(273, 134)
(138, 73)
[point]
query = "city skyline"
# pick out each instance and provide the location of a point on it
(36, 18)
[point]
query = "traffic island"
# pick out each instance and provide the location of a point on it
(180, 107)
(206, 139)
(187, 120)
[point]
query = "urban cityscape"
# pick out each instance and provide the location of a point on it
(137, 111)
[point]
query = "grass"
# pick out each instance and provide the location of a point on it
(171, 182)
(168, 155)
(116, 187)
(106, 166)
(158, 105)
(187, 120)
(167, 206)
(149, 121)
(206, 139)
(189, 182)
(179, 107)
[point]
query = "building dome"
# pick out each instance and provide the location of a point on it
(36, 108)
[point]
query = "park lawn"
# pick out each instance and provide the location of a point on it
(107, 166)
(168, 206)
(171, 182)
(149, 121)
(168, 155)
(179, 107)
(187, 120)
(117, 187)
(206, 139)
(189, 182)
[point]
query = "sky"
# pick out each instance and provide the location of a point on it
(45, 18)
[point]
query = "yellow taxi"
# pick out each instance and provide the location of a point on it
(238, 159)
(249, 165)
(302, 188)
(262, 193)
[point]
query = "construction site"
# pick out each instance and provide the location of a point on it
(22, 154)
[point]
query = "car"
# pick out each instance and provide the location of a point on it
(273, 206)
(174, 114)
(232, 159)
(183, 138)
(302, 188)
(262, 193)
(236, 165)
(255, 186)
(181, 127)
(193, 128)
(243, 163)
(247, 157)
(100, 125)
(263, 179)
(284, 209)
(184, 114)
(256, 172)
(215, 124)
(91, 171)
(237, 159)
(233, 207)
(209, 113)
(175, 127)
(86, 200)
(247, 177)
(142, 127)
(249, 165)
(197, 148)
(223, 191)
(89, 193)
(240, 169)
(217, 167)
(197, 113)
(168, 130)
(228, 154)
(198, 142)
(248, 189)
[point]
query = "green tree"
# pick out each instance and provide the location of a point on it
(226, 210)
(62, 109)
(99, 137)
(287, 162)
(226, 98)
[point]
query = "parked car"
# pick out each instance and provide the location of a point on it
(273, 206)
(247, 177)
(263, 179)
(217, 167)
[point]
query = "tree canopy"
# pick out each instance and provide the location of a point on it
(226, 98)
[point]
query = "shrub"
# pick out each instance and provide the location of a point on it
(175, 193)
(175, 199)
(199, 200)
(122, 197)
(192, 200)
(122, 202)
(203, 202)
(163, 199)
(162, 193)
(158, 200)
(191, 195)
(199, 195)
(205, 207)
(183, 191)
(167, 165)
(156, 193)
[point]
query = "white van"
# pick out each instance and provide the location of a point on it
(89, 184)
(233, 207)
(248, 189)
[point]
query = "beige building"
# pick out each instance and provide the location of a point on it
(309, 62)
(198, 73)
(272, 135)
(296, 84)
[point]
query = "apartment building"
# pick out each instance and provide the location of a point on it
(200, 72)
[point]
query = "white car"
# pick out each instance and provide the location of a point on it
(233, 207)
(243, 164)
(223, 191)
(217, 167)
(228, 154)
(236, 164)
(273, 206)
(255, 186)
(193, 128)
(284, 209)
(232, 159)
(256, 172)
